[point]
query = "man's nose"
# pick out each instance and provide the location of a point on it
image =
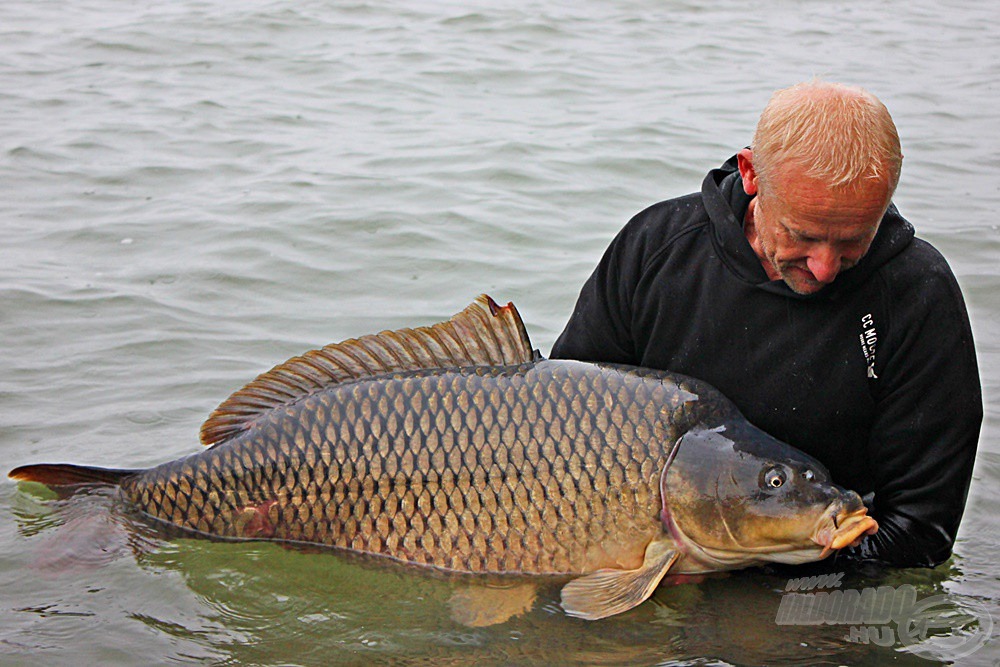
(824, 264)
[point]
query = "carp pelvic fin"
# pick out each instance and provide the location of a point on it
(480, 606)
(608, 592)
(484, 334)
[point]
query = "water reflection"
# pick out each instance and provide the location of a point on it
(262, 603)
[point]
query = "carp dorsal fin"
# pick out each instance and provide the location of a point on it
(608, 592)
(484, 334)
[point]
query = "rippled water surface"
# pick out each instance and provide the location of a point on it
(193, 191)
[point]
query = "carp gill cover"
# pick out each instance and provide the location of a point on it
(457, 447)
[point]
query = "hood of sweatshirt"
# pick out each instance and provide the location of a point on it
(726, 202)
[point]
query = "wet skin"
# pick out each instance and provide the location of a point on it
(803, 231)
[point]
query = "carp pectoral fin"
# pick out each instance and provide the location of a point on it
(479, 606)
(608, 592)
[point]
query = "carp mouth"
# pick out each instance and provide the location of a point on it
(841, 527)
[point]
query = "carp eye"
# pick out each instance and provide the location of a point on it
(774, 478)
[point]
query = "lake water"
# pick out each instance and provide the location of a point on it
(193, 191)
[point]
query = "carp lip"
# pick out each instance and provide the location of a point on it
(843, 528)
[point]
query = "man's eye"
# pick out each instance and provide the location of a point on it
(799, 237)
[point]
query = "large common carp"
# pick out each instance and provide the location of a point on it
(458, 447)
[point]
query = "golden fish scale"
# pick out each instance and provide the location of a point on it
(547, 467)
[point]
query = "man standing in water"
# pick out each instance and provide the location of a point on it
(792, 284)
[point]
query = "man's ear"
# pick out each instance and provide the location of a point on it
(744, 160)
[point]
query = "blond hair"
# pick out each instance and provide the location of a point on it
(839, 133)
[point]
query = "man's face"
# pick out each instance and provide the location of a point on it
(806, 233)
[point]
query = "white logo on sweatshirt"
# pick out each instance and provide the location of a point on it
(869, 337)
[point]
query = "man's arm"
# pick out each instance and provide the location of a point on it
(923, 444)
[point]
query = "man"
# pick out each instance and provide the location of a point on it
(792, 284)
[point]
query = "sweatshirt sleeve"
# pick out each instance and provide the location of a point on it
(599, 328)
(922, 446)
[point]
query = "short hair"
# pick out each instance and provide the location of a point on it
(839, 133)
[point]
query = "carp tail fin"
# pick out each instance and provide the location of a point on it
(484, 334)
(66, 474)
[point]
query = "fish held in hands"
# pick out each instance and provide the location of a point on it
(458, 447)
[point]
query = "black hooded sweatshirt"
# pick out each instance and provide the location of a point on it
(875, 375)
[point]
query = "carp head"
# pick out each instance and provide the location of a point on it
(733, 496)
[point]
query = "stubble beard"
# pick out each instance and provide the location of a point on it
(788, 271)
